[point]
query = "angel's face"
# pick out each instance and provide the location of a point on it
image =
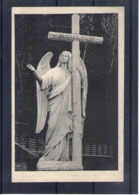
(64, 57)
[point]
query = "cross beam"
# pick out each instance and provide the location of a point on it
(75, 38)
(72, 37)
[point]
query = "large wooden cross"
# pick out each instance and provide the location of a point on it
(76, 38)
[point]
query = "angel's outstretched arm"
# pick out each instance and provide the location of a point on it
(37, 76)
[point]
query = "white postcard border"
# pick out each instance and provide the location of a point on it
(74, 176)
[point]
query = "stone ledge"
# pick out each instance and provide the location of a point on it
(58, 166)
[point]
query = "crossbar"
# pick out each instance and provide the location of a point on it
(71, 37)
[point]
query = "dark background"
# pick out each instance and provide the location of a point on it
(101, 124)
(130, 177)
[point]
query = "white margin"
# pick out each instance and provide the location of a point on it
(74, 176)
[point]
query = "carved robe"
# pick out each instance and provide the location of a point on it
(59, 107)
(54, 99)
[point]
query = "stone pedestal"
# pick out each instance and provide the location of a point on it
(44, 165)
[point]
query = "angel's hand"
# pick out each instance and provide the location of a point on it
(30, 67)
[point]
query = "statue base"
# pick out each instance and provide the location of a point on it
(44, 165)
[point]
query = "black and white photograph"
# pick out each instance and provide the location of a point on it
(67, 94)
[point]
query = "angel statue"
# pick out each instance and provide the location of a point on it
(54, 102)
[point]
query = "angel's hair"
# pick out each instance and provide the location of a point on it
(69, 60)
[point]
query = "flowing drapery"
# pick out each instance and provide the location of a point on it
(59, 107)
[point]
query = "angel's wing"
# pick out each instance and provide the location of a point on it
(84, 83)
(43, 67)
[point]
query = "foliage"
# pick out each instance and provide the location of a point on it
(31, 44)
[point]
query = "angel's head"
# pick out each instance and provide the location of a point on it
(64, 57)
(65, 60)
